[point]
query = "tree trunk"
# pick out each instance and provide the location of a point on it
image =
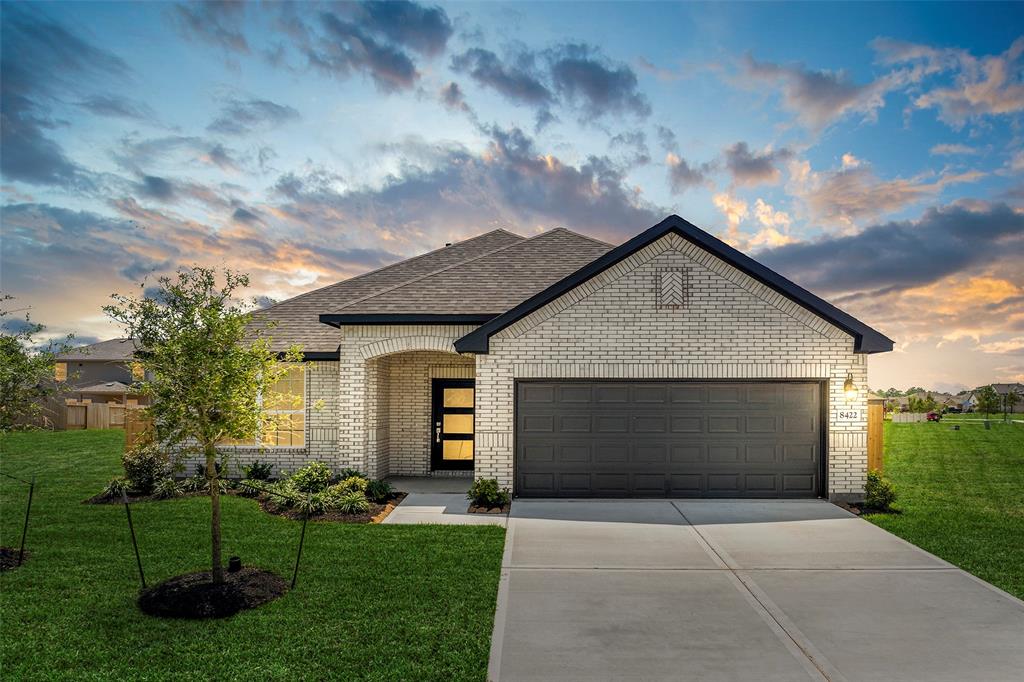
(211, 478)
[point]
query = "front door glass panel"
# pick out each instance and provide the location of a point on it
(452, 427)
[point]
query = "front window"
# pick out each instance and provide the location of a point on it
(285, 404)
(60, 371)
(285, 407)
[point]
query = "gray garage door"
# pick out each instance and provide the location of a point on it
(660, 439)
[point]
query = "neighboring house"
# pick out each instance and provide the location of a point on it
(1004, 389)
(100, 372)
(671, 365)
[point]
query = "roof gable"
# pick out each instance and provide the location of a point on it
(112, 350)
(481, 287)
(866, 339)
(296, 320)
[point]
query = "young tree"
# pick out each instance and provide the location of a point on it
(207, 369)
(26, 370)
(1010, 400)
(987, 400)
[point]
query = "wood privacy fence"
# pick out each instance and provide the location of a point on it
(94, 416)
(908, 417)
(876, 413)
(137, 427)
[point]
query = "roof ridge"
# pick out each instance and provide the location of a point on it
(390, 265)
(584, 236)
(440, 270)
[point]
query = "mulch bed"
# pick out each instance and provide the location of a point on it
(194, 595)
(861, 509)
(9, 558)
(376, 513)
(504, 509)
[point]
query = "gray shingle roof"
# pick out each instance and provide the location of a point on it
(489, 284)
(297, 319)
(113, 350)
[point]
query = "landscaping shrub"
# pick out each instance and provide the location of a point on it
(353, 502)
(167, 488)
(116, 488)
(879, 492)
(144, 465)
(353, 484)
(349, 473)
(485, 493)
(249, 487)
(379, 491)
(258, 471)
(312, 504)
(312, 478)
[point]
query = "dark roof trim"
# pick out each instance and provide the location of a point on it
(866, 339)
(339, 319)
(321, 355)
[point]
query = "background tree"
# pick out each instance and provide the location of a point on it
(986, 400)
(26, 368)
(1010, 400)
(207, 369)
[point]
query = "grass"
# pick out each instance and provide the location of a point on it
(373, 602)
(962, 496)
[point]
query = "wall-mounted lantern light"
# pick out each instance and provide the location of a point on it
(848, 388)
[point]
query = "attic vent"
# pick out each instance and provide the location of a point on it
(671, 291)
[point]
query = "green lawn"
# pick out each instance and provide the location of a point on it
(962, 495)
(373, 601)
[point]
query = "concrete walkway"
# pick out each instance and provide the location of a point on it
(443, 508)
(706, 590)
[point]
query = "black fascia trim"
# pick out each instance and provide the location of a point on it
(866, 339)
(341, 319)
(322, 355)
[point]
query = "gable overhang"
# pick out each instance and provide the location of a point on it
(341, 320)
(866, 339)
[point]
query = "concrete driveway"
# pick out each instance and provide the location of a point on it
(707, 590)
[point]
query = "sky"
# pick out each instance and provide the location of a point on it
(871, 152)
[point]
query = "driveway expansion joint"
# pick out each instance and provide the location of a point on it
(798, 644)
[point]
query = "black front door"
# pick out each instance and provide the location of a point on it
(452, 429)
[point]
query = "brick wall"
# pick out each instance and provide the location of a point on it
(617, 325)
(385, 376)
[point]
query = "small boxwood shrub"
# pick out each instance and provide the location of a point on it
(312, 478)
(258, 471)
(879, 492)
(485, 492)
(379, 491)
(144, 465)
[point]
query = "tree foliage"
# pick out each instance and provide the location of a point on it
(26, 368)
(987, 400)
(207, 367)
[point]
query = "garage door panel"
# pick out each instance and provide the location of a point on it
(606, 453)
(611, 423)
(656, 439)
(723, 424)
(574, 423)
(654, 423)
(538, 424)
(651, 453)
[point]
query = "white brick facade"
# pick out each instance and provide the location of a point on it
(632, 321)
(729, 327)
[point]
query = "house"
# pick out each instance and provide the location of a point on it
(100, 372)
(1004, 390)
(563, 366)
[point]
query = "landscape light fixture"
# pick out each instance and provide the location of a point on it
(848, 388)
